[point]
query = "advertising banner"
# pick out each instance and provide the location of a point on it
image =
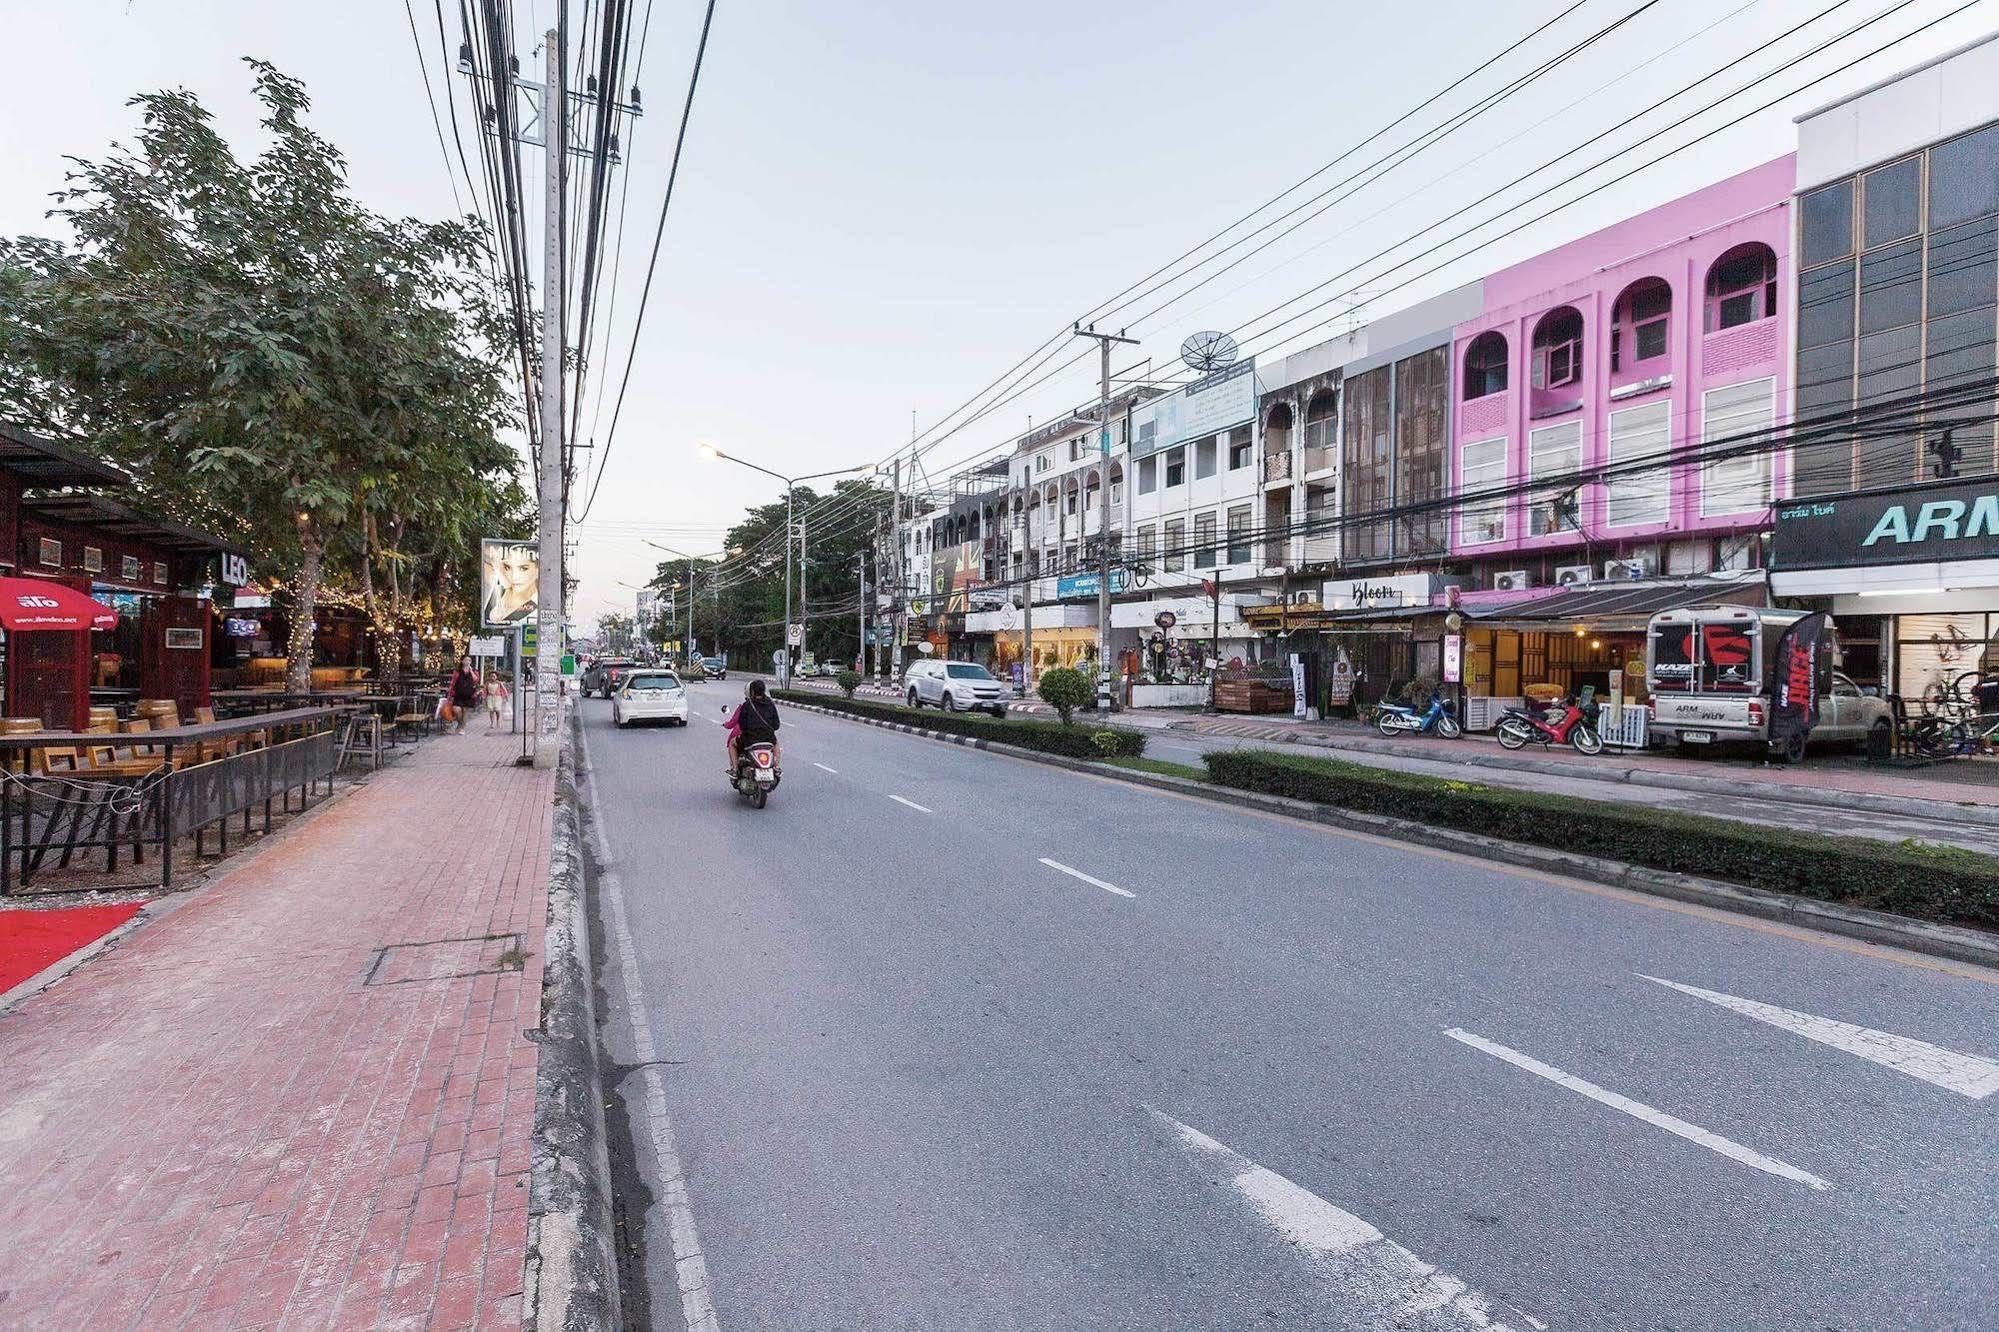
(509, 582)
(1794, 707)
(1086, 584)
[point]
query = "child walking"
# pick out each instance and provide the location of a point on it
(496, 701)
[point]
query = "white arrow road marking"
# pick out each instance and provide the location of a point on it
(1967, 1075)
(912, 804)
(823, 768)
(1714, 1142)
(1078, 874)
(1398, 1288)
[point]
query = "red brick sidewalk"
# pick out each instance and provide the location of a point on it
(249, 1115)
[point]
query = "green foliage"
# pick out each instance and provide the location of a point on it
(272, 361)
(1159, 767)
(1047, 737)
(849, 680)
(1416, 693)
(1943, 884)
(1065, 689)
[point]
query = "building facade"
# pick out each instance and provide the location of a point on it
(1891, 526)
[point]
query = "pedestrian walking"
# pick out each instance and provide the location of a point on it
(464, 691)
(496, 700)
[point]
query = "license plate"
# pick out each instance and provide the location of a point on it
(765, 776)
(1697, 737)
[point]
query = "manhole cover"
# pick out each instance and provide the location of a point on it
(445, 959)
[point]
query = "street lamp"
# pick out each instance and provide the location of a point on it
(790, 483)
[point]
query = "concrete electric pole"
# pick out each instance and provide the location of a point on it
(548, 477)
(1104, 343)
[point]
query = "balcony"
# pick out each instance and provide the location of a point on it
(1276, 467)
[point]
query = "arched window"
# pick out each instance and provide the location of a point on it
(1742, 286)
(1485, 365)
(1639, 323)
(1558, 348)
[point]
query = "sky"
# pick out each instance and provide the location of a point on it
(885, 204)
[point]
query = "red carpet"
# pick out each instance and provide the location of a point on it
(31, 940)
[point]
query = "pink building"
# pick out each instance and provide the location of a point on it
(1649, 336)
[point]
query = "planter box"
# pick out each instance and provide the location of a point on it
(1170, 696)
(1253, 696)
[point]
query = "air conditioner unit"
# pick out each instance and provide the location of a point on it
(1573, 575)
(1512, 580)
(1640, 567)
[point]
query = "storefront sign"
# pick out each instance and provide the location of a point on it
(1454, 658)
(1950, 521)
(1086, 584)
(1395, 590)
(184, 638)
(1795, 708)
(234, 570)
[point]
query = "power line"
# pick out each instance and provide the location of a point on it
(652, 263)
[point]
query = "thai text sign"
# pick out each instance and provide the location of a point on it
(1949, 521)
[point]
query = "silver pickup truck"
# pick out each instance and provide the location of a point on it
(1708, 671)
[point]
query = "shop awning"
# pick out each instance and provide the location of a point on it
(42, 462)
(115, 519)
(1623, 606)
(35, 604)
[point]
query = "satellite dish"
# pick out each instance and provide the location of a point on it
(1206, 353)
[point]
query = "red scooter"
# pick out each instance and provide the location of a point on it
(1562, 724)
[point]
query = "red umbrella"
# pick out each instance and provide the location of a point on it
(34, 604)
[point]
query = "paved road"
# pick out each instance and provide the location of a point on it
(1214, 1069)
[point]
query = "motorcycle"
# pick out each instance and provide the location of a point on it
(757, 773)
(1395, 719)
(1563, 724)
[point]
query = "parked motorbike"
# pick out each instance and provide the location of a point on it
(1395, 719)
(1562, 724)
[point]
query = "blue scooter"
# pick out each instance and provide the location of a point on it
(1395, 719)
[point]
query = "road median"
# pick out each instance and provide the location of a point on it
(1925, 899)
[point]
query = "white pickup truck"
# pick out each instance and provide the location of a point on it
(1708, 671)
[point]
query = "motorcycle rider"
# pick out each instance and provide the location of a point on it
(754, 722)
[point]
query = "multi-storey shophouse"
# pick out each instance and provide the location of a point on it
(1894, 524)
(1652, 337)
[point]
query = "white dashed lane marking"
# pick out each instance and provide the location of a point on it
(1391, 1286)
(1967, 1075)
(1714, 1142)
(920, 809)
(1086, 878)
(823, 768)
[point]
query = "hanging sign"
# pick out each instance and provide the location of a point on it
(1341, 685)
(1454, 658)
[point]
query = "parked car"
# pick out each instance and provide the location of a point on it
(715, 667)
(955, 686)
(649, 694)
(1709, 670)
(604, 674)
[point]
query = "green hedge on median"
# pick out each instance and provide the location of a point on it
(1084, 742)
(1920, 880)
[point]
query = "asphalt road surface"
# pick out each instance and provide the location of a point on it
(947, 1040)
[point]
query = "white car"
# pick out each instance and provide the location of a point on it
(649, 695)
(955, 686)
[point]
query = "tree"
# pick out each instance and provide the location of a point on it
(270, 359)
(1064, 688)
(616, 631)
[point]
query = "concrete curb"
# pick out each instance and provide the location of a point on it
(572, 1268)
(1878, 927)
(1818, 797)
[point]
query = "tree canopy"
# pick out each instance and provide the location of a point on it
(272, 360)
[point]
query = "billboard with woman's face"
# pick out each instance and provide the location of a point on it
(509, 574)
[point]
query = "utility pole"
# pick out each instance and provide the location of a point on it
(548, 488)
(1104, 343)
(861, 644)
(688, 652)
(804, 592)
(784, 667)
(900, 608)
